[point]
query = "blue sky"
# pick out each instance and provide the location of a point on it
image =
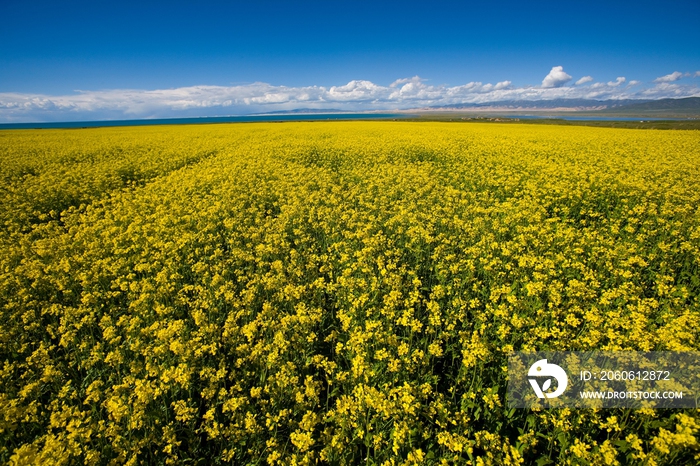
(98, 59)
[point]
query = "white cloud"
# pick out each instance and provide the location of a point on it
(697, 73)
(557, 77)
(415, 90)
(670, 90)
(396, 83)
(584, 80)
(675, 76)
(502, 85)
(355, 91)
(617, 82)
(355, 95)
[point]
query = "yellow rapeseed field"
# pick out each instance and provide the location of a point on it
(337, 292)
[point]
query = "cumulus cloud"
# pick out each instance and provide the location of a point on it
(669, 90)
(557, 77)
(697, 73)
(398, 82)
(675, 76)
(356, 95)
(355, 91)
(502, 85)
(617, 82)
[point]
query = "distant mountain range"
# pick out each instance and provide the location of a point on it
(682, 108)
(578, 104)
(688, 105)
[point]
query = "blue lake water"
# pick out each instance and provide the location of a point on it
(206, 120)
(298, 117)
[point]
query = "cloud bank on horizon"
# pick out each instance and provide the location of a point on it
(356, 95)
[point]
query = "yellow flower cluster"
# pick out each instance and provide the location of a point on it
(336, 292)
